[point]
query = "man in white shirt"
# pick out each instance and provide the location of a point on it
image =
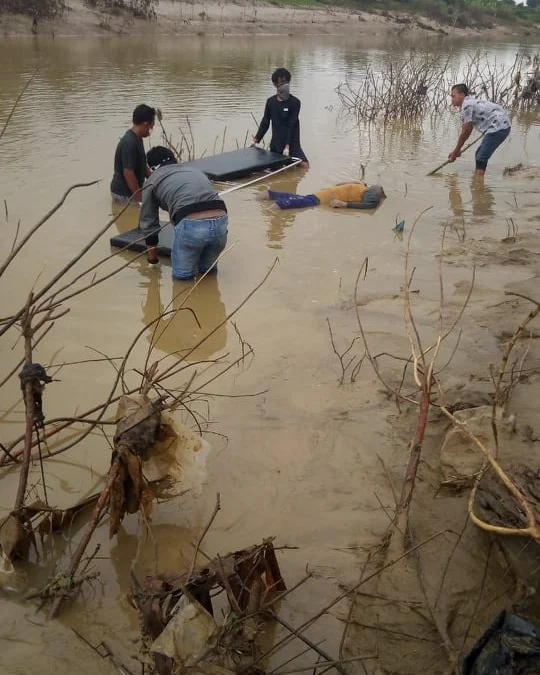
(486, 117)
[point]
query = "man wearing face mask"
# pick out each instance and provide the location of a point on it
(130, 167)
(282, 110)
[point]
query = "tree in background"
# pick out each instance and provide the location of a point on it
(145, 9)
(39, 9)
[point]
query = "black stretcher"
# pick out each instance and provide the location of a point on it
(229, 165)
(134, 240)
(239, 163)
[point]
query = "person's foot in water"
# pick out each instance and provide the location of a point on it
(152, 255)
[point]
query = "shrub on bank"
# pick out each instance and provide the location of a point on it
(39, 9)
(144, 9)
(460, 13)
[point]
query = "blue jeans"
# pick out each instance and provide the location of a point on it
(197, 245)
(489, 144)
(286, 200)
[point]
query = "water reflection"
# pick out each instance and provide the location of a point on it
(454, 195)
(279, 221)
(399, 138)
(194, 314)
(128, 220)
(166, 546)
(482, 200)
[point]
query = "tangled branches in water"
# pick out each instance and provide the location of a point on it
(419, 84)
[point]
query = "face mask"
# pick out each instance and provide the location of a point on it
(283, 91)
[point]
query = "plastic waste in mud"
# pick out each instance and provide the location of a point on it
(189, 633)
(510, 646)
(177, 462)
(177, 611)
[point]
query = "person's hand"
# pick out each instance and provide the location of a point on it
(454, 155)
(254, 143)
(338, 204)
(286, 151)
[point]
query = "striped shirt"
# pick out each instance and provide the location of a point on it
(485, 116)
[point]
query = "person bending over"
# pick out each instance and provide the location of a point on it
(282, 111)
(343, 195)
(195, 209)
(130, 167)
(486, 117)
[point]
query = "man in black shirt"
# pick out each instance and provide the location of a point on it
(130, 167)
(282, 110)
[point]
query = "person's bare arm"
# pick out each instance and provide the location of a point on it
(466, 131)
(264, 125)
(339, 204)
(292, 120)
(133, 183)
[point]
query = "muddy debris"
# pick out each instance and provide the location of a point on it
(126, 490)
(178, 612)
(459, 457)
(496, 507)
(510, 646)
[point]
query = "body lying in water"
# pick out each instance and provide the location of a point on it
(343, 195)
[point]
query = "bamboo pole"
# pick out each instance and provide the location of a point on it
(431, 173)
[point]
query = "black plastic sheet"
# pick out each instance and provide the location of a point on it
(510, 646)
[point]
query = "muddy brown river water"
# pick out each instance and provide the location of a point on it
(298, 460)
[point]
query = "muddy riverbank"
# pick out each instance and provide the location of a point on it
(300, 457)
(245, 18)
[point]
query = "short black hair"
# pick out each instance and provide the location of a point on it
(461, 89)
(160, 155)
(280, 74)
(143, 113)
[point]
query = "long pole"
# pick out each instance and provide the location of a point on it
(257, 180)
(464, 149)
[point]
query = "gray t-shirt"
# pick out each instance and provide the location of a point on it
(129, 155)
(178, 189)
(486, 117)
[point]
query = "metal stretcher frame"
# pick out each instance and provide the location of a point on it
(134, 239)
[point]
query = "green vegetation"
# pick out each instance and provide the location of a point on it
(51, 9)
(145, 9)
(459, 13)
(467, 13)
(39, 9)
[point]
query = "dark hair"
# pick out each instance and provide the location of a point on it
(461, 89)
(280, 74)
(143, 113)
(159, 155)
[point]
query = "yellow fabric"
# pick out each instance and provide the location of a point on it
(349, 192)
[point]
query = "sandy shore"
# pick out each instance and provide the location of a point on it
(245, 18)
